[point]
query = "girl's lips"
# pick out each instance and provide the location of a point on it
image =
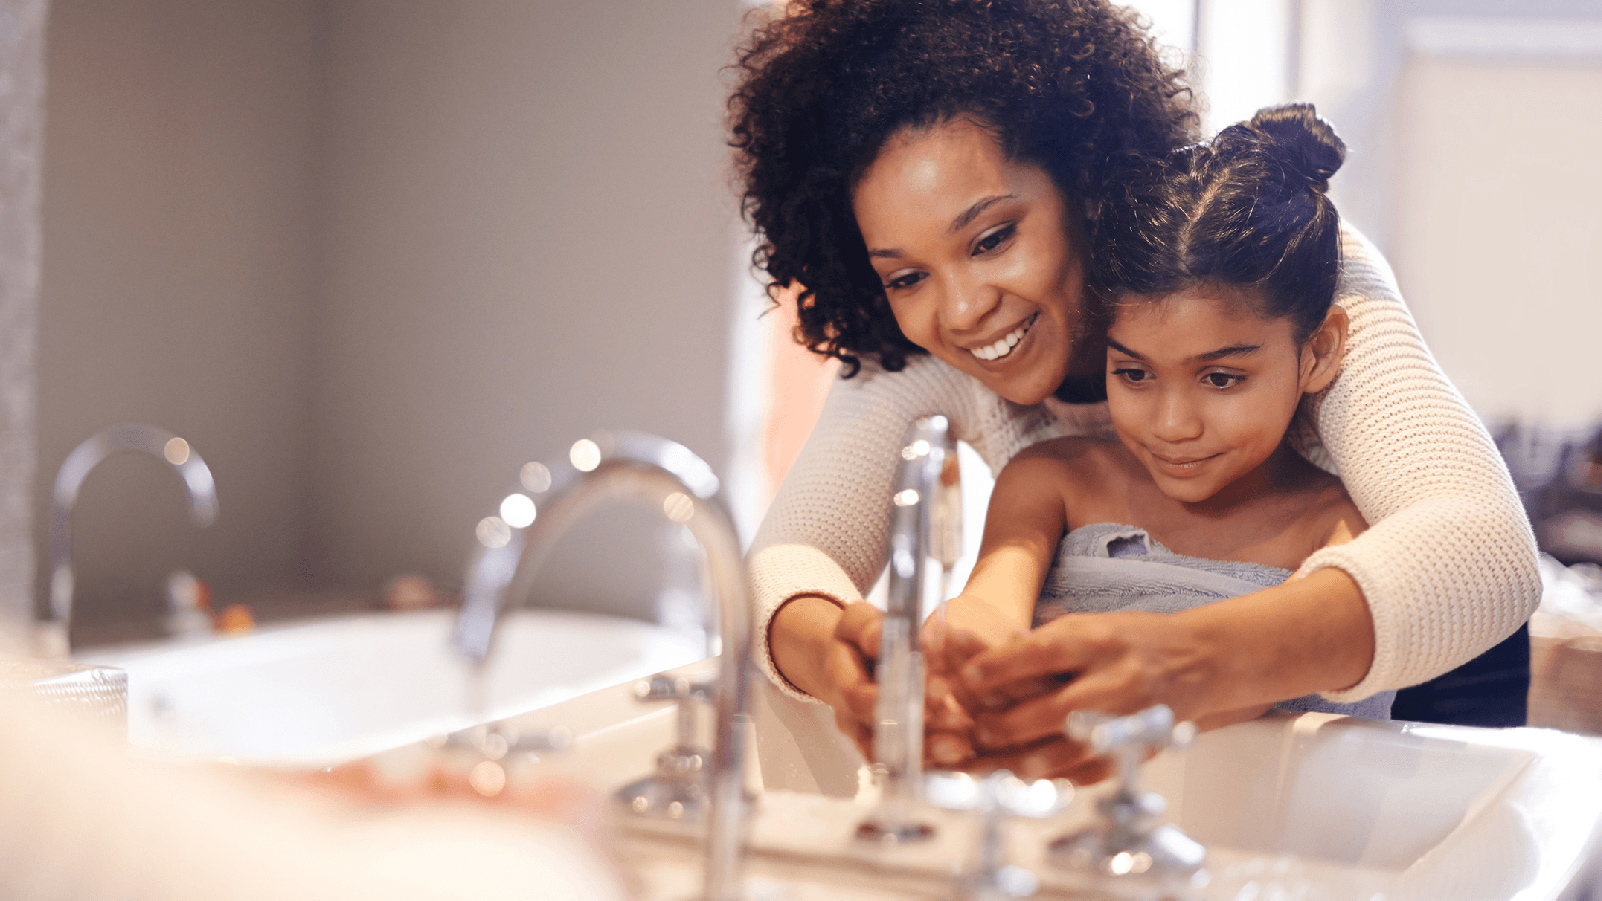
(1182, 465)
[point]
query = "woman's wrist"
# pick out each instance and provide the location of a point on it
(799, 634)
(1307, 635)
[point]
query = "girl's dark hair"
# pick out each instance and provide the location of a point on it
(1069, 85)
(1249, 208)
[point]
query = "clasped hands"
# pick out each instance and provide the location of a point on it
(999, 701)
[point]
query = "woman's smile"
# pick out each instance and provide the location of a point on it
(1004, 346)
(977, 256)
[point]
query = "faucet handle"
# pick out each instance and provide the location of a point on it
(1150, 729)
(662, 687)
(996, 798)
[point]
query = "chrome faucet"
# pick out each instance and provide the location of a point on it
(925, 535)
(684, 487)
(1130, 843)
(51, 637)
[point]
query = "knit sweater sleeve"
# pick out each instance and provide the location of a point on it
(1449, 564)
(825, 532)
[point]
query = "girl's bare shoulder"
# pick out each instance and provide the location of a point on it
(1079, 466)
(1331, 516)
(1074, 454)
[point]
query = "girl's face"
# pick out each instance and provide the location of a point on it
(1201, 388)
(976, 255)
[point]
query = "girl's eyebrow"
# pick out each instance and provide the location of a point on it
(1211, 356)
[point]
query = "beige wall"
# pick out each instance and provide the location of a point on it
(528, 237)
(369, 257)
(178, 283)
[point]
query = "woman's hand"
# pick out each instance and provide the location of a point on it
(1111, 662)
(828, 651)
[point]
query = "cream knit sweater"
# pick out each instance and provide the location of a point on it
(1448, 566)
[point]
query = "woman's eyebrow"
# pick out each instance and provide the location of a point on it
(958, 224)
(972, 212)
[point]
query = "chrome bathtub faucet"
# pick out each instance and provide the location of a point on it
(925, 543)
(684, 488)
(51, 634)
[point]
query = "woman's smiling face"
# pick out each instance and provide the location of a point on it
(977, 256)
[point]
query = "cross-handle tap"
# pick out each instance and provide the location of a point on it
(158, 442)
(925, 542)
(1130, 840)
(684, 488)
(676, 791)
(996, 799)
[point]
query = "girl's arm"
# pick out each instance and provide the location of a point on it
(1025, 521)
(822, 543)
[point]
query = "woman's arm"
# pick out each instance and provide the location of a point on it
(1206, 663)
(1448, 567)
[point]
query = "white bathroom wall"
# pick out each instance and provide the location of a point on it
(1498, 240)
(1471, 127)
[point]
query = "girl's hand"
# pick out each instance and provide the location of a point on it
(1115, 663)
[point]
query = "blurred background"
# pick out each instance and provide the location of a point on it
(371, 256)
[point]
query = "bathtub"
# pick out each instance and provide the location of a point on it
(320, 692)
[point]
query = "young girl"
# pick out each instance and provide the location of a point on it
(1218, 268)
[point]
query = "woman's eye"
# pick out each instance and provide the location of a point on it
(1131, 375)
(1223, 379)
(993, 240)
(903, 282)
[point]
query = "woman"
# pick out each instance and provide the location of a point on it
(926, 170)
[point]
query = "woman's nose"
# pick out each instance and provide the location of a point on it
(1176, 420)
(966, 303)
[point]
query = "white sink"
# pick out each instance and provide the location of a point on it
(1331, 807)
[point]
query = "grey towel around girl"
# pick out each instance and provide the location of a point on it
(1106, 566)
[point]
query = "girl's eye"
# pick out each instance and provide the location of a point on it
(993, 240)
(1223, 379)
(1132, 375)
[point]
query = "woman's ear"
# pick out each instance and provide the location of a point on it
(1324, 350)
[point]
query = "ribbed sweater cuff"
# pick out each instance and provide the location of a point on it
(1382, 673)
(784, 571)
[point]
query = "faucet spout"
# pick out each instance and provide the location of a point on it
(157, 442)
(676, 481)
(925, 542)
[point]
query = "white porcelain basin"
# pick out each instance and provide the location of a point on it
(325, 691)
(1324, 806)
(1404, 810)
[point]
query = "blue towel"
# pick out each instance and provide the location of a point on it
(1106, 566)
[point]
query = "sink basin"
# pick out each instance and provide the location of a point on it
(1323, 805)
(1401, 809)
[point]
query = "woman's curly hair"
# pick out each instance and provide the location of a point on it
(1069, 85)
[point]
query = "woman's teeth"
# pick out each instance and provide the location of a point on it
(1004, 346)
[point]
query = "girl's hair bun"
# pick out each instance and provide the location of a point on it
(1305, 144)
